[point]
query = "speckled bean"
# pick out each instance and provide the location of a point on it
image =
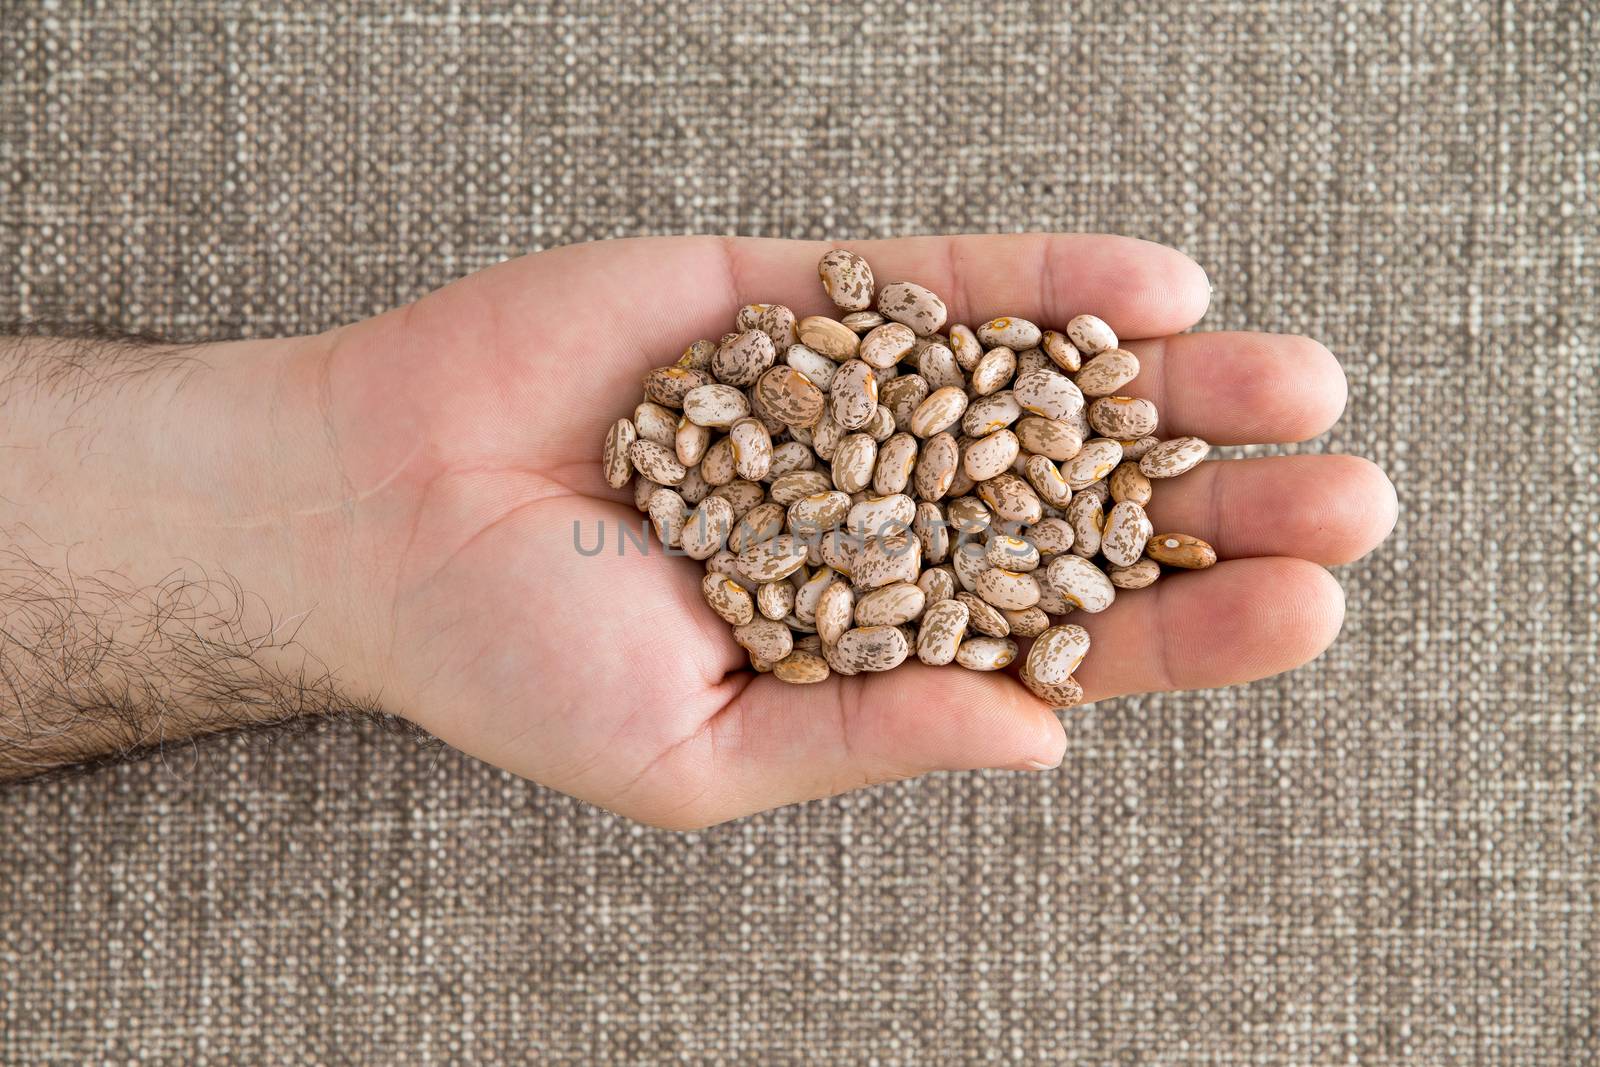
(1087, 518)
(966, 346)
(706, 529)
(913, 305)
(1054, 440)
(615, 461)
(1029, 622)
(944, 624)
(741, 495)
(902, 395)
(941, 410)
(775, 558)
(797, 485)
(656, 423)
(761, 523)
(846, 278)
(790, 396)
(752, 449)
(1173, 457)
(1051, 536)
(986, 653)
(872, 648)
(882, 514)
(818, 512)
(936, 466)
(730, 600)
(887, 345)
(853, 462)
(990, 456)
(780, 326)
(802, 668)
(1046, 479)
(937, 366)
(881, 426)
(1124, 418)
(1012, 498)
(690, 441)
(1068, 694)
(853, 396)
(826, 435)
(1015, 334)
(667, 385)
(1081, 583)
(838, 549)
(775, 600)
(656, 463)
(766, 638)
(986, 414)
(1061, 351)
(1090, 335)
(939, 583)
(863, 322)
(742, 360)
(715, 405)
(1135, 576)
(1107, 372)
(1048, 393)
(643, 490)
(897, 458)
(994, 371)
(1128, 483)
(1012, 553)
(835, 611)
(983, 616)
(1097, 458)
(1056, 653)
(698, 356)
(809, 593)
(884, 560)
(818, 368)
(890, 605)
(830, 337)
(1123, 537)
(668, 514)
(931, 529)
(1012, 590)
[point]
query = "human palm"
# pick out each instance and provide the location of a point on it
(469, 426)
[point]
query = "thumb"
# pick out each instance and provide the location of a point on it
(777, 744)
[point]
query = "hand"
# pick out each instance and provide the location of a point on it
(469, 427)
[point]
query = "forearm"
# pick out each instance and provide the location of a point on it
(169, 536)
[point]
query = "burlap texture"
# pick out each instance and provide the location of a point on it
(1386, 857)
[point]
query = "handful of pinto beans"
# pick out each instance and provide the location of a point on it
(883, 484)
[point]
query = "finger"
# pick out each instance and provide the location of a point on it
(1141, 289)
(661, 293)
(781, 744)
(597, 316)
(1326, 509)
(1236, 622)
(1240, 388)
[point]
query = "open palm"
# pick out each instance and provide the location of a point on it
(469, 426)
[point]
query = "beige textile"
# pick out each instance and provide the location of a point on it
(1387, 857)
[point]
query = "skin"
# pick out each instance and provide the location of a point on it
(404, 490)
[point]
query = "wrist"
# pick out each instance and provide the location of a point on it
(260, 489)
(199, 488)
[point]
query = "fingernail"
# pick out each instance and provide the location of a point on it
(1040, 765)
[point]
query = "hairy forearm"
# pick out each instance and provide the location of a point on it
(95, 667)
(168, 524)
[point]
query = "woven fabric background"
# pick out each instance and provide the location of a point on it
(1387, 857)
